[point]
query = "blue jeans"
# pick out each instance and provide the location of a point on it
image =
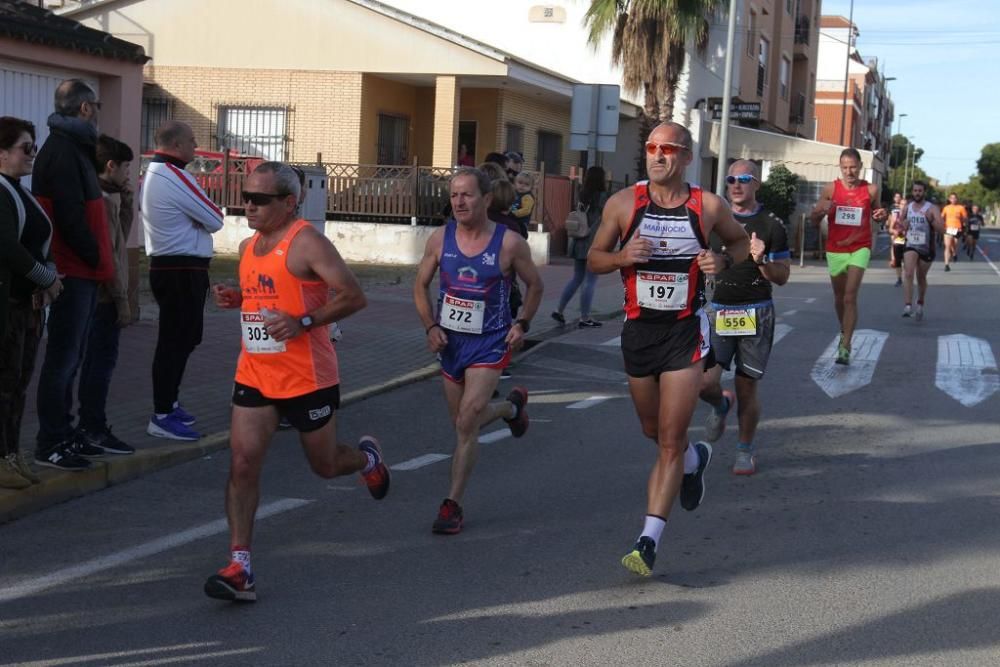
(70, 317)
(580, 275)
(98, 364)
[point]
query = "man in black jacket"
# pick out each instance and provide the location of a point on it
(64, 181)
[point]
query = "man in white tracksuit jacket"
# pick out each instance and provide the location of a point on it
(178, 220)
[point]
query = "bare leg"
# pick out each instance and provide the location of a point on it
(250, 434)
(469, 406)
(910, 261)
(326, 457)
(748, 409)
(922, 270)
(711, 386)
(839, 286)
(850, 307)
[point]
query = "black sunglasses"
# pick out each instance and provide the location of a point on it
(262, 198)
(29, 149)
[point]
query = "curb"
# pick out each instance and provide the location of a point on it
(58, 487)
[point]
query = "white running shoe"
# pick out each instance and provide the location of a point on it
(906, 310)
(920, 312)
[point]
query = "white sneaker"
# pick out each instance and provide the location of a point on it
(715, 423)
(906, 310)
(920, 312)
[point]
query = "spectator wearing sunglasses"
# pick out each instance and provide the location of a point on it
(179, 220)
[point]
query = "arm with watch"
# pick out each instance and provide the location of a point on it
(718, 219)
(775, 265)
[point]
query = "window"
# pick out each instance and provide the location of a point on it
(155, 112)
(253, 131)
(786, 66)
(393, 139)
(549, 152)
(752, 34)
(788, 7)
(515, 138)
(762, 56)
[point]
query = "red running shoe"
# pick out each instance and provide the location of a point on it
(449, 518)
(377, 480)
(231, 583)
(519, 424)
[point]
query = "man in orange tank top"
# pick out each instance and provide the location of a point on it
(287, 366)
(663, 227)
(955, 219)
(849, 206)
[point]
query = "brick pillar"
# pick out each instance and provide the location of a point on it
(446, 107)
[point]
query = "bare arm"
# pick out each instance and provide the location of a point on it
(878, 211)
(617, 216)
(436, 337)
(719, 219)
(935, 219)
(226, 296)
(823, 205)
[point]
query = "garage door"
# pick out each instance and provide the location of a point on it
(26, 91)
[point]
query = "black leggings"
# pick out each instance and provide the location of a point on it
(180, 294)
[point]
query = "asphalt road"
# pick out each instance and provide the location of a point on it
(868, 536)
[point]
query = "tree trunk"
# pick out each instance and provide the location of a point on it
(647, 121)
(671, 76)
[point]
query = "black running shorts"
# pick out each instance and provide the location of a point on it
(750, 352)
(309, 412)
(652, 349)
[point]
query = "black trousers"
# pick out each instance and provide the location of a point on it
(18, 349)
(180, 293)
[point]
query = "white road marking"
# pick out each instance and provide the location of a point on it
(76, 572)
(789, 313)
(811, 299)
(587, 403)
(966, 369)
(988, 260)
(494, 436)
(838, 380)
(420, 461)
(780, 331)
(614, 341)
(138, 653)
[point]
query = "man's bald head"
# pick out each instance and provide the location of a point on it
(745, 167)
(176, 138)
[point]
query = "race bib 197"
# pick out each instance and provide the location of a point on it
(849, 215)
(661, 291)
(256, 340)
(736, 322)
(462, 315)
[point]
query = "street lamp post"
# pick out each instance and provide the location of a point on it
(727, 102)
(899, 131)
(906, 164)
(847, 75)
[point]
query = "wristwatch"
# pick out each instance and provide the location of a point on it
(306, 322)
(763, 260)
(525, 325)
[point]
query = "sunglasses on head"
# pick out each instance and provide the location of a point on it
(739, 178)
(666, 149)
(261, 198)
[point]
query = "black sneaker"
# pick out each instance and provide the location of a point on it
(107, 441)
(693, 485)
(62, 457)
(82, 447)
(640, 560)
(589, 324)
(518, 396)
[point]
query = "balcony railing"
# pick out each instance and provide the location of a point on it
(802, 30)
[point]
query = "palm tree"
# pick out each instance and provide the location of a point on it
(648, 39)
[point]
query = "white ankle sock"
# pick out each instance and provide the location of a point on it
(241, 556)
(653, 528)
(691, 459)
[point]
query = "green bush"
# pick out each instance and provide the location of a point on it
(777, 193)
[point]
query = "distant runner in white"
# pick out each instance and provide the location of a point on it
(920, 223)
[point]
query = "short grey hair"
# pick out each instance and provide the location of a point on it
(171, 132)
(285, 178)
(70, 96)
(483, 181)
(750, 164)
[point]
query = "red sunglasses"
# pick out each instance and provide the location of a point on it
(666, 149)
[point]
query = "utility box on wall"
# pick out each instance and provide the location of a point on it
(314, 204)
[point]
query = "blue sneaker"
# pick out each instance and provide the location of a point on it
(170, 427)
(183, 416)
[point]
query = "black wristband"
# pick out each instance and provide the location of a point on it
(431, 327)
(524, 324)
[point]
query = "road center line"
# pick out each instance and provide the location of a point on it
(988, 260)
(494, 436)
(420, 461)
(587, 403)
(165, 543)
(617, 340)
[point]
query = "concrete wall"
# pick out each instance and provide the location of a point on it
(368, 242)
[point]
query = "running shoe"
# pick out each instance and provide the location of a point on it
(449, 518)
(843, 355)
(947, 267)
(183, 416)
(558, 317)
(62, 457)
(640, 560)
(906, 310)
(693, 485)
(10, 476)
(590, 324)
(715, 424)
(20, 462)
(378, 478)
(745, 463)
(519, 424)
(899, 282)
(106, 441)
(920, 312)
(81, 447)
(231, 583)
(170, 427)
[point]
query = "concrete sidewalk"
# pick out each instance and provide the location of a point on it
(383, 347)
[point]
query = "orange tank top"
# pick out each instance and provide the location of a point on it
(293, 367)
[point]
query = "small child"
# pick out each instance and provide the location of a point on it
(524, 203)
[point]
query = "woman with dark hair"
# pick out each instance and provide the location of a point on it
(593, 196)
(28, 283)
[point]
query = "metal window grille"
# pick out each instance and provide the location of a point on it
(253, 131)
(515, 138)
(155, 112)
(549, 152)
(393, 139)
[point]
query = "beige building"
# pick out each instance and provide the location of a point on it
(354, 81)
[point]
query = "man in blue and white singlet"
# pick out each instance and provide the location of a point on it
(472, 331)
(663, 226)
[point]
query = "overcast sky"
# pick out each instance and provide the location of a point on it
(945, 56)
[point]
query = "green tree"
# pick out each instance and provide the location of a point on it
(648, 39)
(974, 192)
(900, 148)
(777, 193)
(989, 166)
